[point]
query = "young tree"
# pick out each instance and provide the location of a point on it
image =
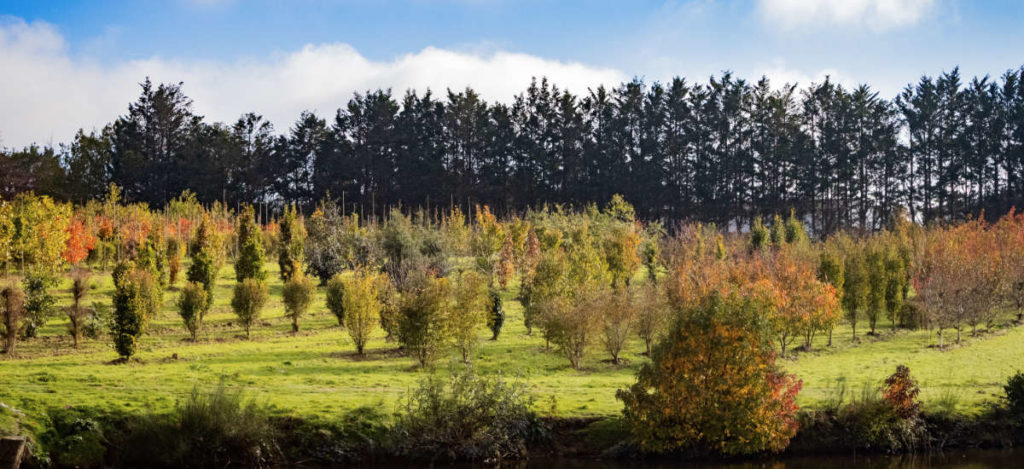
(856, 287)
(248, 301)
(831, 270)
(469, 308)
(423, 312)
(291, 251)
(80, 242)
(77, 311)
(506, 268)
(40, 303)
(298, 294)
(712, 384)
(620, 251)
(204, 260)
(618, 315)
(878, 283)
(136, 300)
(362, 306)
(12, 307)
(173, 259)
(652, 315)
(250, 259)
(336, 297)
(191, 305)
(496, 315)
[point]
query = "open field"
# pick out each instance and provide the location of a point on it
(315, 372)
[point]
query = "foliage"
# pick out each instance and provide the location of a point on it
(495, 314)
(423, 317)
(248, 301)
(466, 417)
(362, 306)
(468, 311)
(203, 269)
(652, 315)
(137, 299)
(1014, 389)
(712, 384)
(901, 391)
(80, 242)
(173, 259)
(12, 305)
(336, 297)
(249, 263)
(192, 307)
(618, 310)
(40, 303)
(298, 295)
(291, 249)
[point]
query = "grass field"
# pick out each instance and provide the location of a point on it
(316, 373)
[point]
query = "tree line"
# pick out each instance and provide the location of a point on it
(722, 151)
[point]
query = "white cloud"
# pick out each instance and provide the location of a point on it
(46, 94)
(779, 73)
(873, 14)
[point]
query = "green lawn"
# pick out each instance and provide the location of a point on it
(315, 372)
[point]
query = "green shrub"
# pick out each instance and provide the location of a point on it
(203, 269)
(214, 429)
(136, 299)
(466, 417)
(1014, 389)
(191, 305)
(248, 301)
(496, 316)
(249, 263)
(297, 294)
(291, 249)
(74, 438)
(40, 303)
(336, 298)
(423, 317)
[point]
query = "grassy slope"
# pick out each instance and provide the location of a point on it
(316, 373)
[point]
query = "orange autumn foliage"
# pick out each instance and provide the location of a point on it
(80, 241)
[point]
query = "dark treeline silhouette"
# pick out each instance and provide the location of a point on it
(721, 151)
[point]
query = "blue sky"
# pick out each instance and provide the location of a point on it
(75, 63)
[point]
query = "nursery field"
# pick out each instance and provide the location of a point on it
(315, 373)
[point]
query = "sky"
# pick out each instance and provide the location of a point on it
(66, 65)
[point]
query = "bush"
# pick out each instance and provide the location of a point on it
(468, 311)
(97, 321)
(214, 429)
(336, 298)
(423, 317)
(362, 306)
(297, 294)
(204, 260)
(191, 305)
(1014, 389)
(12, 308)
(136, 299)
(40, 303)
(496, 316)
(291, 249)
(713, 386)
(249, 263)
(74, 438)
(466, 417)
(173, 260)
(249, 298)
(901, 392)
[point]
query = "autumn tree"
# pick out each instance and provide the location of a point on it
(831, 270)
(856, 286)
(362, 306)
(469, 309)
(79, 242)
(712, 384)
(423, 317)
(651, 316)
(618, 313)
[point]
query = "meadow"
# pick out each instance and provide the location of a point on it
(315, 373)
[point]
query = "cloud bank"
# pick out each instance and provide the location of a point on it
(47, 94)
(872, 14)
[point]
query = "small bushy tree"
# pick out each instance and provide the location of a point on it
(203, 269)
(423, 312)
(291, 249)
(298, 295)
(496, 315)
(12, 308)
(362, 306)
(191, 307)
(468, 312)
(136, 300)
(618, 315)
(40, 303)
(336, 297)
(249, 263)
(248, 301)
